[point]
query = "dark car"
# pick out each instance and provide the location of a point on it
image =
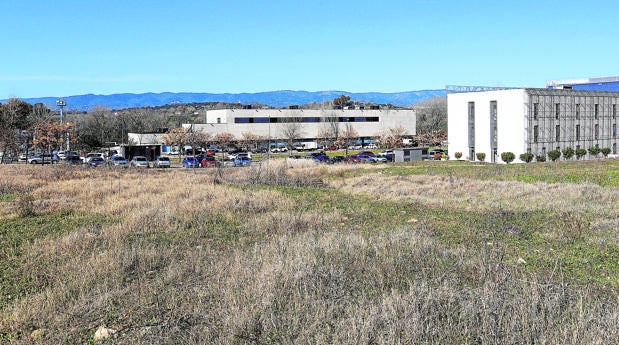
(191, 162)
(96, 161)
(73, 159)
(338, 159)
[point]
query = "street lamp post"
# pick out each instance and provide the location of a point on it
(269, 146)
(61, 104)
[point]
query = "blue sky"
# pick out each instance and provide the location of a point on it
(69, 47)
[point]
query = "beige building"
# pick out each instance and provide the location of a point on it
(309, 123)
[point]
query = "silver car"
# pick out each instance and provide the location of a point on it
(139, 161)
(162, 162)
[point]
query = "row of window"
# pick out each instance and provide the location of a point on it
(558, 132)
(305, 119)
(577, 108)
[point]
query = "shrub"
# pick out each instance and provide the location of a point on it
(580, 153)
(605, 151)
(508, 157)
(594, 151)
(480, 156)
(554, 155)
(526, 157)
(458, 155)
(568, 153)
(540, 158)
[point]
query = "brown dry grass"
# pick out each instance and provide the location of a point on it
(230, 256)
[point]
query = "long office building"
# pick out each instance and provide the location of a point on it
(309, 124)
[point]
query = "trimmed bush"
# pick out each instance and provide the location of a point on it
(540, 158)
(553, 155)
(480, 156)
(526, 157)
(508, 157)
(458, 155)
(594, 151)
(605, 151)
(580, 153)
(568, 153)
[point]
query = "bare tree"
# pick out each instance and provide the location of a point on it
(292, 129)
(392, 137)
(431, 115)
(349, 134)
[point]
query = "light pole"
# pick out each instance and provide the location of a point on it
(269, 146)
(61, 103)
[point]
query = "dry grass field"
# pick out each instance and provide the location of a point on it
(430, 253)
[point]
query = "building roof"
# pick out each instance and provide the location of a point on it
(591, 84)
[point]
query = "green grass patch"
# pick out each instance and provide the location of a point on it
(9, 197)
(19, 276)
(604, 173)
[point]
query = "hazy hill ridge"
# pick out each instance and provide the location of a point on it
(271, 98)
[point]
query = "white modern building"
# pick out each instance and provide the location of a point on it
(532, 120)
(309, 124)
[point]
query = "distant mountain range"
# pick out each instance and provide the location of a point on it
(272, 98)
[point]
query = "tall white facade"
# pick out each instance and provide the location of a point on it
(530, 120)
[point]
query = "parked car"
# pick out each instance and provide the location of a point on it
(371, 146)
(435, 154)
(86, 158)
(43, 158)
(162, 162)
(352, 159)
(388, 154)
(338, 159)
(208, 161)
(118, 160)
(191, 162)
(226, 162)
(242, 161)
(139, 162)
(96, 161)
(377, 159)
(73, 159)
(366, 156)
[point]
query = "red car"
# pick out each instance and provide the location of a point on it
(352, 159)
(208, 161)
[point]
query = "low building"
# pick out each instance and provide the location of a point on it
(308, 124)
(534, 120)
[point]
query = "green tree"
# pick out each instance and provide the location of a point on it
(568, 153)
(554, 155)
(605, 151)
(594, 151)
(342, 101)
(508, 157)
(526, 157)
